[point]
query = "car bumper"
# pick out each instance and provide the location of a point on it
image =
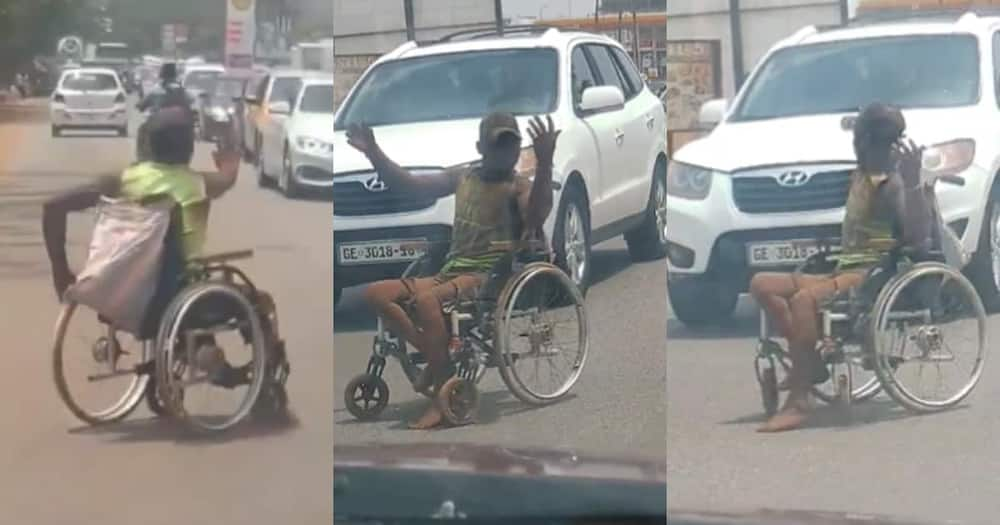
(105, 118)
(712, 237)
(312, 171)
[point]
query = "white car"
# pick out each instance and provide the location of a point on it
(89, 99)
(277, 85)
(771, 179)
(297, 141)
(200, 78)
(425, 103)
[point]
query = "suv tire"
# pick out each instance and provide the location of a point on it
(573, 214)
(648, 241)
(981, 270)
(698, 301)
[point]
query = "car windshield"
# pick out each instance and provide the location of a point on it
(935, 71)
(455, 86)
(317, 99)
(80, 81)
(201, 80)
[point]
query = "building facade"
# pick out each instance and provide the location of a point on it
(363, 30)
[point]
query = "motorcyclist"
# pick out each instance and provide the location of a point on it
(169, 93)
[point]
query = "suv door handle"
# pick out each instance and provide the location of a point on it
(619, 136)
(650, 120)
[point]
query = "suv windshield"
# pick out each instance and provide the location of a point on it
(90, 82)
(935, 71)
(455, 86)
(317, 99)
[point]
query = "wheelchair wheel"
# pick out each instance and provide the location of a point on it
(193, 364)
(458, 399)
(864, 384)
(927, 318)
(366, 396)
(534, 326)
(94, 367)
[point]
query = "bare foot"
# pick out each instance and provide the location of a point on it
(431, 418)
(791, 417)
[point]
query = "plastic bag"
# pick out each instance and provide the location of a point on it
(123, 265)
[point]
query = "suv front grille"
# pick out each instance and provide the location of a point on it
(351, 199)
(762, 194)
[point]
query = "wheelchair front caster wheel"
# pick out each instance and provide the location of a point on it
(459, 401)
(769, 390)
(366, 396)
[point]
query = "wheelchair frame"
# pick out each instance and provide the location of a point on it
(153, 381)
(861, 330)
(475, 342)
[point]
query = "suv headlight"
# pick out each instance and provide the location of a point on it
(948, 159)
(687, 181)
(314, 146)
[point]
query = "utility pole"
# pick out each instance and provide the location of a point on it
(498, 14)
(411, 30)
(736, 28)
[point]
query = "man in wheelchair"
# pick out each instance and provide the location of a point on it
(166, 173)
(886, 207)
(493, 204)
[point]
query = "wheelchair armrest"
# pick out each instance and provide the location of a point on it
(223, 257)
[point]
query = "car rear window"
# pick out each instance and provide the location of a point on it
(81, 81)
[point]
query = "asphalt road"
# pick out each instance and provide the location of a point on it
(617, 406)
(55, 470)
(881, 460)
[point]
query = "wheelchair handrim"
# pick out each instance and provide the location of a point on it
(503, 317)
(120, 409)
(883, 368)
(184, 302)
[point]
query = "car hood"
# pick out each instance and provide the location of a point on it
(733, 146)
(424, 145)
(450, 480)
(314, 125)
(790, 517)
(491, 459)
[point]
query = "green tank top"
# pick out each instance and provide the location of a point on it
(485, 212)
(867, 233)
(148, 179)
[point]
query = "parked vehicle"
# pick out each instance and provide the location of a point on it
(768, 185)
(425, 103)
(297, 141)
(88, 99)
(281, 84)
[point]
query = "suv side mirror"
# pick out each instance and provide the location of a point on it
(712, 112)
(601, 98)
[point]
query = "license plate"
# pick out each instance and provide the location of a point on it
(780, 253)
(380, 252)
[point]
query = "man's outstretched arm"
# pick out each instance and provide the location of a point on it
(54, 213)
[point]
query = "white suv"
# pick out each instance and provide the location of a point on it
(771, 179)
(425, 101)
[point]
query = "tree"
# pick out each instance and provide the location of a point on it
(31, 28)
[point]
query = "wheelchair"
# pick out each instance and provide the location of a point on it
(908, 299)
(177, 352)
(509, 325)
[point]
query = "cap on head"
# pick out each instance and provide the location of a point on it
(880, 124)
(495, 125)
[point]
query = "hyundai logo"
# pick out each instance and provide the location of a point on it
(375, 185)
(793, 179)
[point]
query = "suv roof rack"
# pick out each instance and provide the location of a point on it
(491, 31)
